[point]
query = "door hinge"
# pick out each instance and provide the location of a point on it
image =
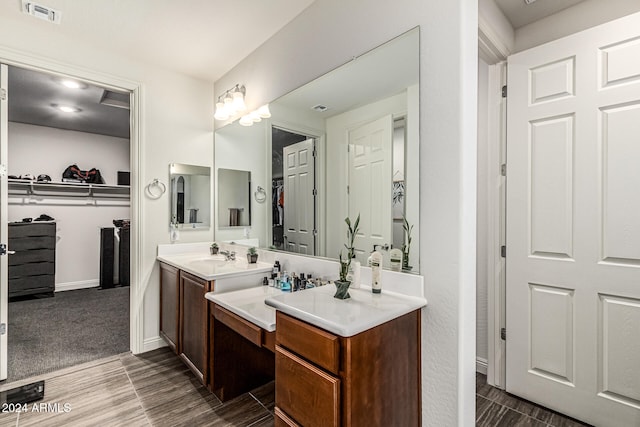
(3, 94)
(3, 328)
(347, 189)
(503, 334)
(503, 251)
(503, 169)
(348, 148)
(315, 233)
(315, 192)
(314, 153)
(504, 91)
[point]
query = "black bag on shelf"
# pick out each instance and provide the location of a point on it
(91, 176)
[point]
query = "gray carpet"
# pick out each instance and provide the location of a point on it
(71, 328)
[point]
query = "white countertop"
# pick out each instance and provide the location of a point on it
(211, 267)
(364, 310)
(249, 304)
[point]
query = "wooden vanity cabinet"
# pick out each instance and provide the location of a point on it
(184, 317)
(169, 305)
(194, 344)
(372, 378)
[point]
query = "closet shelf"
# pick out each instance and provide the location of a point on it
(18, 187)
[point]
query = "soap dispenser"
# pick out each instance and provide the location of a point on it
(395, 259)
(376, 265)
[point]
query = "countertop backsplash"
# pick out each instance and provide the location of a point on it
(393, 281)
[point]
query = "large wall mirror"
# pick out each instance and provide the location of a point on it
(345, 144)
(190, 190)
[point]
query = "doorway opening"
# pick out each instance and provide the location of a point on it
(69, 210)
(294, 193)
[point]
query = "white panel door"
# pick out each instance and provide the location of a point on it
(573, 224)
(299, 208)
(4, 263)
(370, 185)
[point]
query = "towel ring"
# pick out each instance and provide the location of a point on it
(260, 195)
(151, 189)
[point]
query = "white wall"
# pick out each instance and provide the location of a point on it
(586, 14)
(176, 126)
(448, 115)
(43, 150)
(482, 214)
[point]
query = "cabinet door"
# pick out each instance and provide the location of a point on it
(169, 298)
(193, 323)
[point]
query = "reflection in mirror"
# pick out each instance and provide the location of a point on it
(345, 144)
(234, 202)
(190, 187)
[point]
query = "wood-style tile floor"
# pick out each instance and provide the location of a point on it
(157, 389)
(152, 389)
(495, 407)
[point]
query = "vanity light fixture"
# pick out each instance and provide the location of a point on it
(230, 103)
(256, 116)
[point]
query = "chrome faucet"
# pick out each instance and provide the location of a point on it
(228, 255)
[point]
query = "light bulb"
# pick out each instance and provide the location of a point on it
(255, 116)
(71, 84)
(68, 109)
(228, 105)
(221, 112)
(246, 120)
(238, 101)
(264, 111)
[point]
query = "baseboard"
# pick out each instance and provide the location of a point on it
(82, 284)
(481, 365)
(153, 344)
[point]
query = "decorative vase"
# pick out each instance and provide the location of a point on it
(342, 289)
(252, 259)
(214, 251)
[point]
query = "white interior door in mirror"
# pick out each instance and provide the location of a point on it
(299, 184)
(370, 184)
(4, 263)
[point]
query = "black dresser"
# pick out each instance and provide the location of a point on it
(33, 266)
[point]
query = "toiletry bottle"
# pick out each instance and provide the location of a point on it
(276, 267)
(354, 270)
(376, 265)
(395, 259)
(286, 285)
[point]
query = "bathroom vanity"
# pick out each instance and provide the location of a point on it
(335, 362)
(347, 362)
(184, 310)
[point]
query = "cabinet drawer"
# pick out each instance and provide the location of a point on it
(305, 392)
(26, 285)
(32, 242)
(282, 420)
(246, 329)
(314, 344)
(32, 269)
(32, 229)
(34, 255)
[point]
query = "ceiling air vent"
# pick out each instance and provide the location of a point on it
(42, 12)
(115, 99)
(320, 108)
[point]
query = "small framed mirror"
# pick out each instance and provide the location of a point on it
(234, 198)
(190, 187)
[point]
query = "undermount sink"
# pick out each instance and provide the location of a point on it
(209, 261)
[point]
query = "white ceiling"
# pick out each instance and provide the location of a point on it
(519, 13)
(200, 38)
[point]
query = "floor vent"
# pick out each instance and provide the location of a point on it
(20, 396)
